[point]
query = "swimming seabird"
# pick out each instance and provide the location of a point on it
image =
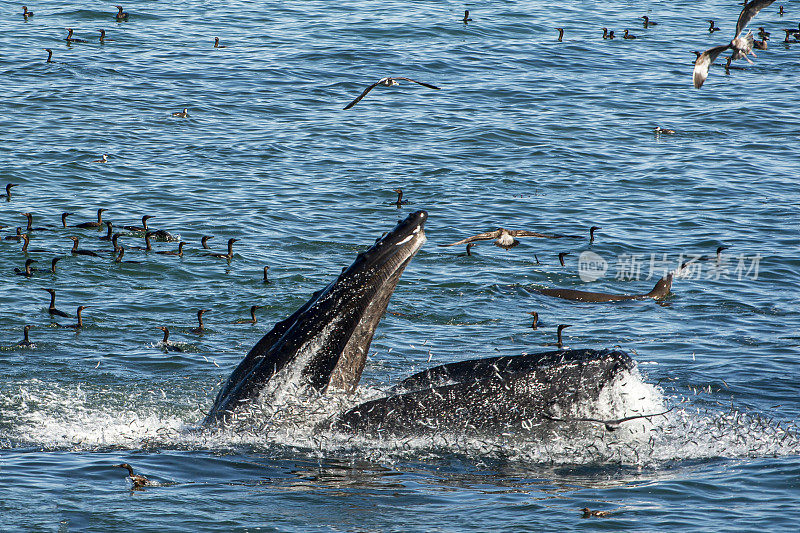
(659, 129)
(611, 34)
(561, 257)
(28, 271)
(469, 247)
(560, 34)
(140, 229)
(648, 22)
(16, 237)
(228, 255)
(118, 259)
(761, 44)
(216, 43)
(26, 13)
(98, 224)
(204, 240)
(121, 15)
(505, 238)
(200, 329)
(592, 230)
(64, 216)
(166, 344)
(182, 114)
(71, 39)
(560, 328)
(49, 55)
(627, 35)
(107, 236)
(26, 243)
(138, 480)
(466, 17)
(178, 252)
(75, 250)
(387, 82)
(788, 33)
(605, 33)
(780, 11)
(400, 202)
(7, 195)
(712, 27)
(589, 512)
(52, 309)
(741, 45)
(762, 32)
(266, 271)
(25, 342)
(103, 159)
(79, 325)
(252, 319)
(535, 315)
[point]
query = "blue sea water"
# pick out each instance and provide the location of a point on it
(525, 133)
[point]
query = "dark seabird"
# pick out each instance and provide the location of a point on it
(16, 237)
(200, 329)
(587, 513)
(658, 130)
(535, 315)
(98, 224)
(166, 344)
(30, 227)
(387, 82)
(118, 259)
(103, 159)
(79, 325)
(107, 236)
(400, 202)
(7, 195)
(121, 15)
(788, 33)
(25, 246)
(760, 44)
(560, 343)
(711, 27)
(466, 17)
(138, 480)
(70, 39)
(780, 11)
(53, 264)
(627, 35)
(266, 270)
(611, 34)
(178, 252)
(64, 216)
(560, 34)
(591, 233)
(762, 32)
(561, 257)
(469, 247)
(253, 318)
(741, 45)
(52, 309)
(182, 114)
(49, 55)
(729, 67)
(229, 255)
(114, 239)
(25, 342)
(140, 229)
(75, 250)
(147, 245)
(103, 36)
(204, 240)
(28, 271)
(26, 13)
(648, 22)
(505, 238)
(216, 43)
(605, 33)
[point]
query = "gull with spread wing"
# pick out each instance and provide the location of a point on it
(387, 82)
(741, 45)
(506, 238)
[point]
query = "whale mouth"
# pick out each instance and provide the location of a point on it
(324, 344)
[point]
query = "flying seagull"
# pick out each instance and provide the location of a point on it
(741, 45)
(387, 82)
(505, 238)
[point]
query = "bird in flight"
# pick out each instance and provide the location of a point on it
(387, 82)
(506, 239)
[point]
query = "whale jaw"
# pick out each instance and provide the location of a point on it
(324, 344)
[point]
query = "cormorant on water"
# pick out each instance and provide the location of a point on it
(53, 264)
(147, 246)
(26, 13)
(204, 241)
(217, 45)
(64, 216)
(168, 346)
(266, 270)
(75, 250)
(591, 233)
(200, 329)
(560, 34)
(70, 39)
(560, 328)
(178, 252)
(138, 480)
(627, 35)
(107, 236)
(182, 114)
(52, 309)
(49, 55)
(535, 315)
(140, 229)
(98, 224)
(466, 18)
(400, 202)
(25, 246)
(79, 325)
(647, 22)
(253, 318)
(387, 82)
(7, 195)
(121, 16)
(104, 158)
(118, 259)
(561, 257)
(16, 237)
(25, 342)
(28, 271)
(229, 255)
(30, 227)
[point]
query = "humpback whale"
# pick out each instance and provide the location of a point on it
(661, 290)
(325, 342)
(322, 348)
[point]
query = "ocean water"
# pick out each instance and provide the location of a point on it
(525, 133)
